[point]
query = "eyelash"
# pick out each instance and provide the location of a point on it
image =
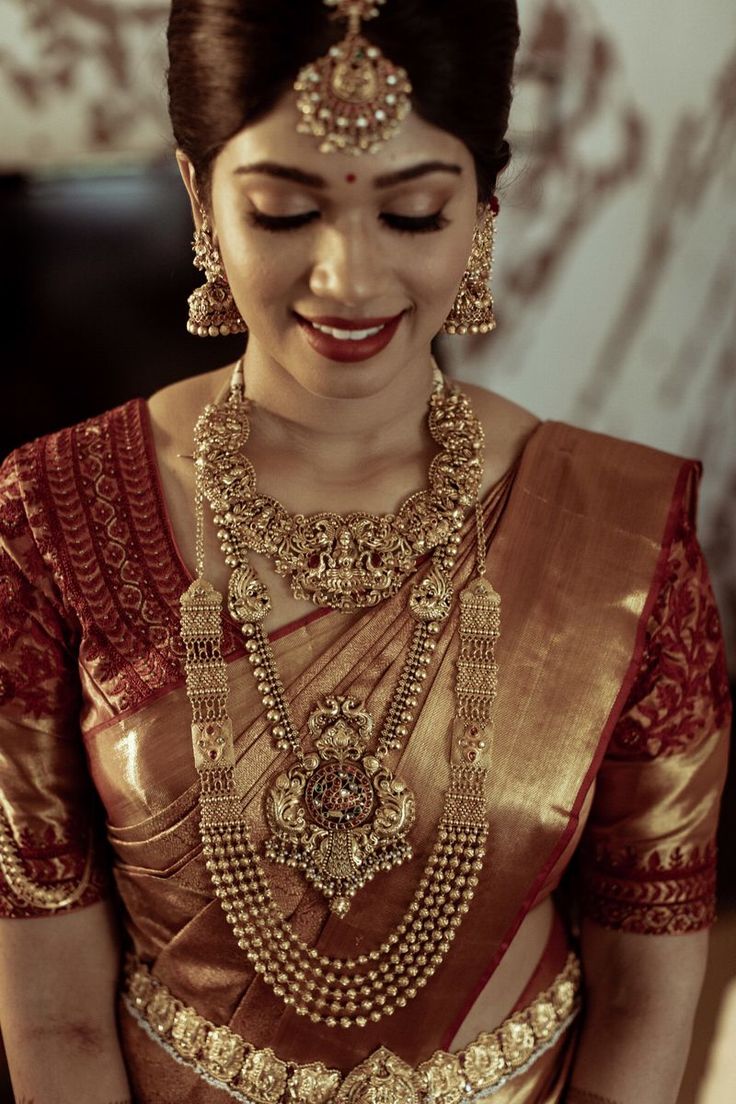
(403, 224)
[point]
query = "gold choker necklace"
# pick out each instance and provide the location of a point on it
(356, 560)
(337, 814)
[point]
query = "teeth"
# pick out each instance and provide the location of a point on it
(348, 335)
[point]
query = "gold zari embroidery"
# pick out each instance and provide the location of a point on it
(30, 892)
(258, 1076)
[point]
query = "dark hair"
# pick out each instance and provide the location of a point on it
(231, 60)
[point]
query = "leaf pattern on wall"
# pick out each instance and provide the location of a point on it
(83, 77)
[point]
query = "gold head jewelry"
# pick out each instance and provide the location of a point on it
(212, 309)
(344, 561)
(338, 814)
(353, 99)
(472, 311)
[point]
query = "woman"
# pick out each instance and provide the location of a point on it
(343, 887)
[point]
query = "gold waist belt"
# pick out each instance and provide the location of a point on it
(256, 1076)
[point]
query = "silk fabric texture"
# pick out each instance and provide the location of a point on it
(581, 535)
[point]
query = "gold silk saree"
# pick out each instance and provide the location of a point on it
(609, 746)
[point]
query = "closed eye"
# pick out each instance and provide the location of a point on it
(281, 222)
(415, 224)
(405, 224)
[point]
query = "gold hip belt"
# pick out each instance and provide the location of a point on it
(256, 1076)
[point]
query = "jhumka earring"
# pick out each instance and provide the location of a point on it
(212, 309)
(354, 98)
(472, 311)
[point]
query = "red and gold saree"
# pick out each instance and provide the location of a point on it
(609, 748)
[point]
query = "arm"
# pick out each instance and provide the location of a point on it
(58, 943)
(648, 852)
(641, 996)
(58, 979)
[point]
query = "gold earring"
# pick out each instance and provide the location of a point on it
(472, 311)
(212, 309)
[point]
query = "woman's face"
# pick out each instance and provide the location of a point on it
(315, 245)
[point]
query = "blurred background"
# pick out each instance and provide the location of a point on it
(615, 278)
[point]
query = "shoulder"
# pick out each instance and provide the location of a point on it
(53, 459)
(506, 425)
(181, 403)
(56, 489)
(610, 479)
(499, 415)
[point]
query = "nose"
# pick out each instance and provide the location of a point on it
(348, 265)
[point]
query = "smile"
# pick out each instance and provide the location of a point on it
(349, 340)
(347, 335)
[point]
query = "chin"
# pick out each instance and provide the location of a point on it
(357, 380)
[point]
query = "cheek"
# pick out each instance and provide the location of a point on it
(436, 270)
(259, 272)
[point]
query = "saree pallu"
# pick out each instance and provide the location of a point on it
(609, 737)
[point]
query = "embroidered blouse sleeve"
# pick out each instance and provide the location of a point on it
(648, 851)
(49, 814)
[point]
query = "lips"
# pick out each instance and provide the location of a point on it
(348, 340)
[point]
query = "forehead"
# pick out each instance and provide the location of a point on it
(275, 138)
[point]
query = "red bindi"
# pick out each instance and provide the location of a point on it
(351, 178)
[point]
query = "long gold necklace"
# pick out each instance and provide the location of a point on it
(345, 561)
(335, 786)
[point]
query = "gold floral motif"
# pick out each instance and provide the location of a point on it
(563, 995)
(189, 1032)
(381, 1079)
(222, 1054)
(141, 988)
(442, 1079)
(484, 1062)
(517, 1040)
(543, 1019)
(312, 1084)
(160, 1010)
(263, 1076)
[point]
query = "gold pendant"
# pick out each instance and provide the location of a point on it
(338, 814)
(383, 1078)
(353, 99)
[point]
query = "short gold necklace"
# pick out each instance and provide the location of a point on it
(342, 802)
(354, 560)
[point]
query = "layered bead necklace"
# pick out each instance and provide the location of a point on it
(337, 813)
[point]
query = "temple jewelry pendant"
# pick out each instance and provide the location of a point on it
(353, 99)
(339, 815)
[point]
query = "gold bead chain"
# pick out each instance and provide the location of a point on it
(353, 991)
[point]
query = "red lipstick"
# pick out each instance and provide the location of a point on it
(349, 350)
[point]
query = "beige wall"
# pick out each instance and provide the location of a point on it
(83, 79)
(616, 262)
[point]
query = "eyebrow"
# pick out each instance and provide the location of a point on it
(311, 180)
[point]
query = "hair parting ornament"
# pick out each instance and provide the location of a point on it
(352, 99)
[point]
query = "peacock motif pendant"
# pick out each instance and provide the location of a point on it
(339, 815)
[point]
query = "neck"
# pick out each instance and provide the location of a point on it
(366, 415)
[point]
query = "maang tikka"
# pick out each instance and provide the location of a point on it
(472, 311)
(353, 98)
(212, 309)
